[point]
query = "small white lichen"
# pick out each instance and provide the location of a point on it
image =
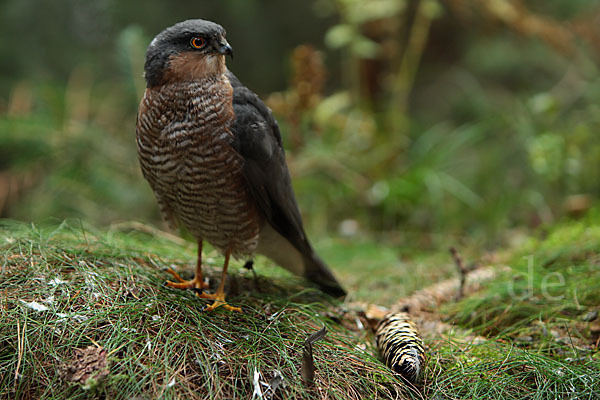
(34, 305)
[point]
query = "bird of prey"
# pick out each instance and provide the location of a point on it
(213, 155)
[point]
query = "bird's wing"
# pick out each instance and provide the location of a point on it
(258, 140)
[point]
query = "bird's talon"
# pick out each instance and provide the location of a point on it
(232, 308)
(174, 274)
(220, 303)
(183, 284)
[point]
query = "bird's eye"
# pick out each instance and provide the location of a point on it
(197, 42)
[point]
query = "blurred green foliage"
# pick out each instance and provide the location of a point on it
(456, 116)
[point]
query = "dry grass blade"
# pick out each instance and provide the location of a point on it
(20, 347)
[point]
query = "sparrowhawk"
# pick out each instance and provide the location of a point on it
(213, 155)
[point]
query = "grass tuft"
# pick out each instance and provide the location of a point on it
(84, 313)
(106, 289)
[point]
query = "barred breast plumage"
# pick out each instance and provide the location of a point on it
(186, 154)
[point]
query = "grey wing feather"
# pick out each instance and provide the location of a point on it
(258, 140)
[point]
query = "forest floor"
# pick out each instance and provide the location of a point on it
(84, 313)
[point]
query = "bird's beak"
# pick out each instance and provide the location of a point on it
(224, 48)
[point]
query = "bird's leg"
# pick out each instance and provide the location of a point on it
(219, 296)
(196, 283)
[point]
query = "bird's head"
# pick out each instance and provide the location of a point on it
(190, 50)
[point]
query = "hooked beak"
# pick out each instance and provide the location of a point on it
(224, 48)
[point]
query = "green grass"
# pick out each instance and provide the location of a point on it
(160, 342)
(381, 273)
(501, 370)
(552, 279)
(105, 288)
(536, 317)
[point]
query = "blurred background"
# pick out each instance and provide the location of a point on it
(403, 119)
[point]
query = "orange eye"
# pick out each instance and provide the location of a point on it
(197, 42)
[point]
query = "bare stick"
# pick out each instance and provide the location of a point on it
(462, 272)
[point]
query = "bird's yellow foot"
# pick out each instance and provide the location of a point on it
(219, 301)
(196, 283)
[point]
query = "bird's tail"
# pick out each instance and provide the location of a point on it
(317, 272)
(301, 260)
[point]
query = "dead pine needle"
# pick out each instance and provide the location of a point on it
(20, 347)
